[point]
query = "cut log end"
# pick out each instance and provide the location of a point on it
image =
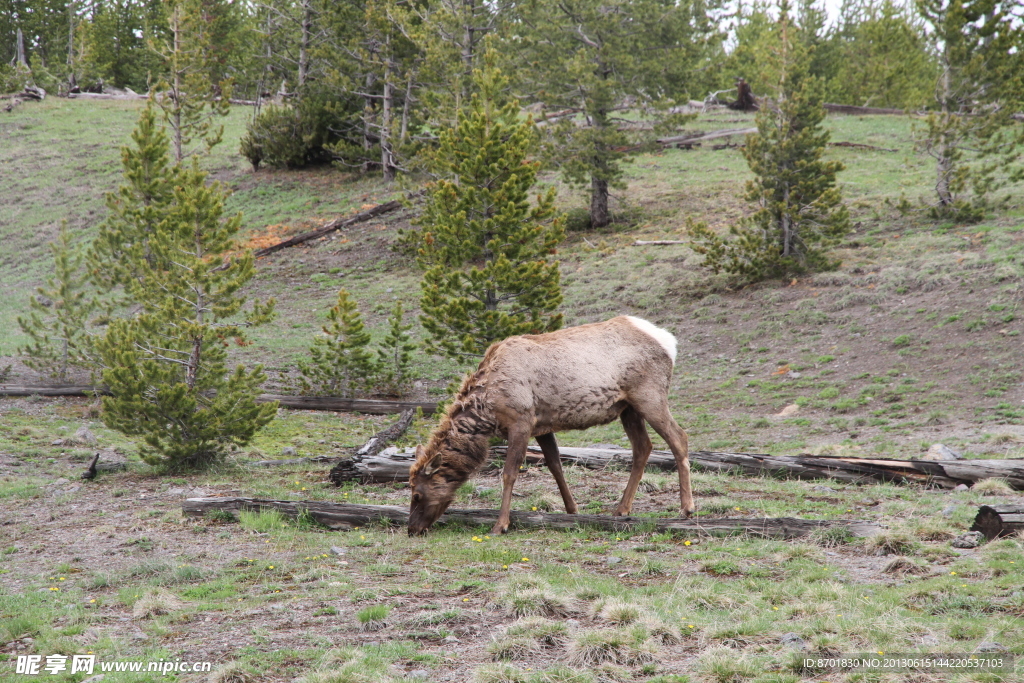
(996, 521)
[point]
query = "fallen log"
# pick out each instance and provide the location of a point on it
(336, 224)
(347, 405)
(344, 405)
(11, 390)
(657, 243)
(999, 520)
(343, 516)
(945, 474)
(854, 110)
(349, 469)
(858, 145)
(692, 138)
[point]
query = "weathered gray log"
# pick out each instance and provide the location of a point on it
(360, 467)
(946, 474)
(348, 405)
(316, 459)
(10, 390)
(999, 520)
(701, 137)
(861, 111)
(347, 516)
(657, 243)
(336, 224)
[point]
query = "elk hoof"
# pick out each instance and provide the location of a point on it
(499, 529)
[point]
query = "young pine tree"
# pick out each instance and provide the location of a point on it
(191, 100)
(395, 354)
(59, 318)
(339, 364)
(800, 212)
(485, 249)
(166, 366)
(972, 135)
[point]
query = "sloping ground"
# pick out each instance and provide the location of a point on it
(915, 339)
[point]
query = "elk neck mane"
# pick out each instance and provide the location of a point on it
(463, 430)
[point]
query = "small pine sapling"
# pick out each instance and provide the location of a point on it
(59, 317)
(395, 354)
(340, 364)
(800, 211)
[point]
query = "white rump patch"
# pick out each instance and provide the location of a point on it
(663, 337)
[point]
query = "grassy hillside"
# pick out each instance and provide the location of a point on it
(915, 340)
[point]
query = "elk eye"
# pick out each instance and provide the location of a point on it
(415, 497)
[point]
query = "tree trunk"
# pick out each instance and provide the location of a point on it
(599, 216)
(944, 161)
(176, 122)
(468, 18)
(371, 78)
(307, 24)
(387, 160)
(21, 50)
(345, 516)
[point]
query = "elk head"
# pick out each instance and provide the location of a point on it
(433, 487)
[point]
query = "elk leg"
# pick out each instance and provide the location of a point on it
(515, 454)
(633, 423)
(548, 444)
(661, 419)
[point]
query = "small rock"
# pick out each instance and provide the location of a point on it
(339, 551)
(572, 623)
(139, 635)
(794, 641)
(288, 450)
(823, 489)
(58, 442)
(417, 384)
(989, 646)
(928, 640)
(418, 674)
(176, 492)
(961, 487)
(793, 375)
(58, 482)
(481, 490)
(451, 639)
(941, 452)
(322, 441)
(85, 436)
(612, 559)
(972, 539)
(948, 511)
(791, 409)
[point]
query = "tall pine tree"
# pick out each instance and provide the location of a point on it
(800, 212)
(166, 366)
(486, 250)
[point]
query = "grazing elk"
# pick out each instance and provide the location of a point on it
(535, 385)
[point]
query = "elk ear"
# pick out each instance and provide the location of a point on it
(431, 467)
